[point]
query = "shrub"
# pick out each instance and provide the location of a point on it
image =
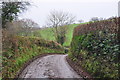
(95, 45)
(18, 50)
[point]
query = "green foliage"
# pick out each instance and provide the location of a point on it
(18, 50)
(99, 52)
(60, 39)
(96, 50)
(10, 11)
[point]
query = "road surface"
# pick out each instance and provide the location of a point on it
(51, 66)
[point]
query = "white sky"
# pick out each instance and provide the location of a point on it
(72, 0)
(82, 9)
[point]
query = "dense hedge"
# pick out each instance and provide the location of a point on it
(95, 46)
(18, 50)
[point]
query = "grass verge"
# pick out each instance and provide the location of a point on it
(18, 50)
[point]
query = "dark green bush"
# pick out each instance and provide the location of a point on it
(97, 50)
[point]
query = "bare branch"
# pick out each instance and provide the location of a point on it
(59, 20)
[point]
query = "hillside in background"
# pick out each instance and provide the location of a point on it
(48, 34)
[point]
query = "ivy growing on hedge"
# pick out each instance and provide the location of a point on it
(97, 48)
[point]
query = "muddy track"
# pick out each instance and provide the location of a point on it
(50, 66)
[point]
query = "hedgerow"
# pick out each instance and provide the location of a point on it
(18, 50)
(95, 46)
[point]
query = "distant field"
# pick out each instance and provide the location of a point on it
(48, 34)
(69, 34)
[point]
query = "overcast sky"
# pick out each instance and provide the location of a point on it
(82, 9)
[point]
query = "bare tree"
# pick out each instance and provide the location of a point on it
(58, 20)
(28, 26)
(24, 27)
